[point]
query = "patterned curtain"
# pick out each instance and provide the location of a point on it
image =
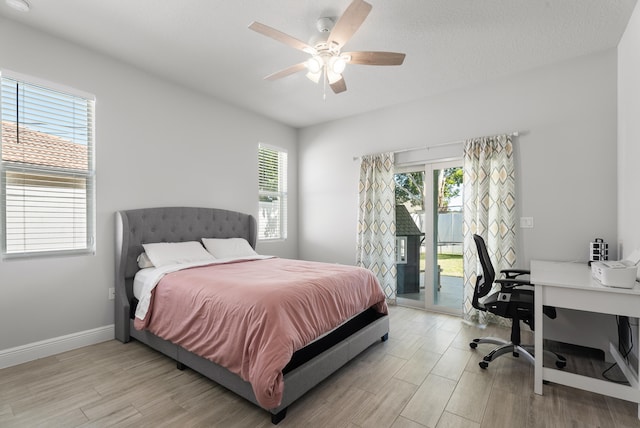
(489, 211)
(376, 220)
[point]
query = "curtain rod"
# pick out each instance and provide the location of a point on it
(450, 143)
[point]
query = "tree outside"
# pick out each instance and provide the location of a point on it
(449, 187)
(409, 187)
(409, 191)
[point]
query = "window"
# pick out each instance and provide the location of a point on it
(401, 250)
(272, 193)
(47, 168)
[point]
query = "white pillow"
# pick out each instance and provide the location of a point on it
(230, 247)
(166, 253)
(143, 261)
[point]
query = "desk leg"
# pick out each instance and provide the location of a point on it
(538, 336)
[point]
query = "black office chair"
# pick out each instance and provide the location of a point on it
(514, 300)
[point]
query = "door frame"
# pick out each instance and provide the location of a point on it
(430, 200)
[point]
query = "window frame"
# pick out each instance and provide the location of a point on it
(281, 194)
(85, 178)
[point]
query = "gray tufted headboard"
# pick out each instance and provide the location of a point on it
(167, 224)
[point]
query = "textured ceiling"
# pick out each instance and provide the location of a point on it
(205, 44)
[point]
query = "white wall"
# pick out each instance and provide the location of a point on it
(157, 144)
(566, 157)
(629, 136)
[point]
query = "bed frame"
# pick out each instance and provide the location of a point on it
(308, 367)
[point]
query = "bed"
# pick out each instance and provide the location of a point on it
(307, 367)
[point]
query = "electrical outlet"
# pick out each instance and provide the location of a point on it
(112, 293)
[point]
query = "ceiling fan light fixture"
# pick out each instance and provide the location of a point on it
(314, 77)
(314, 64)
(337, 64)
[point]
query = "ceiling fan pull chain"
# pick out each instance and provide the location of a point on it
(324, 84)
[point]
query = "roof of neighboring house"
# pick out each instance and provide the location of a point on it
(405, 226)
(39, 148)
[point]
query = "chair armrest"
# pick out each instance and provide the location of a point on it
(507, 283)
(513, 273)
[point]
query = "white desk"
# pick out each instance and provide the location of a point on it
(570, 285)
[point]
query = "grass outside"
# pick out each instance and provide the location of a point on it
(451, 264)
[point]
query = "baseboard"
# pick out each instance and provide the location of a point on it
(46, 348)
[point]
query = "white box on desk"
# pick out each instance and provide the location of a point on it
(620, 274)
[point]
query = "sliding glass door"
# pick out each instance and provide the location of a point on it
(429, 236)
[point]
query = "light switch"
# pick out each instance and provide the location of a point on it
(526, 222)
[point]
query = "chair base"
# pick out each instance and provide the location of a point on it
(504, 346)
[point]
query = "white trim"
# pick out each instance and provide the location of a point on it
(47, 84)
(46, 348)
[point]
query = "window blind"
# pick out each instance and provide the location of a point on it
(272, 193)
(47, 169)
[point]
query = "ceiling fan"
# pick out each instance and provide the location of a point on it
(327, 59)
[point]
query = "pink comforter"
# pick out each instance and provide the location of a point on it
(251, 316)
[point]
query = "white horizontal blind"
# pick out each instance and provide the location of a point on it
(272, 193)
(48, 179)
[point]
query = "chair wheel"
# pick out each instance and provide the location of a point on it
(483, 364)
(561, 364)
(473, 345)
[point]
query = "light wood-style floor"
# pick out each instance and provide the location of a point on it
(425, 375)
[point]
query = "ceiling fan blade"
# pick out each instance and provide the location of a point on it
(349, 22)
(375, 58)
(339, 86)
(281, 37)
(287, 71)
